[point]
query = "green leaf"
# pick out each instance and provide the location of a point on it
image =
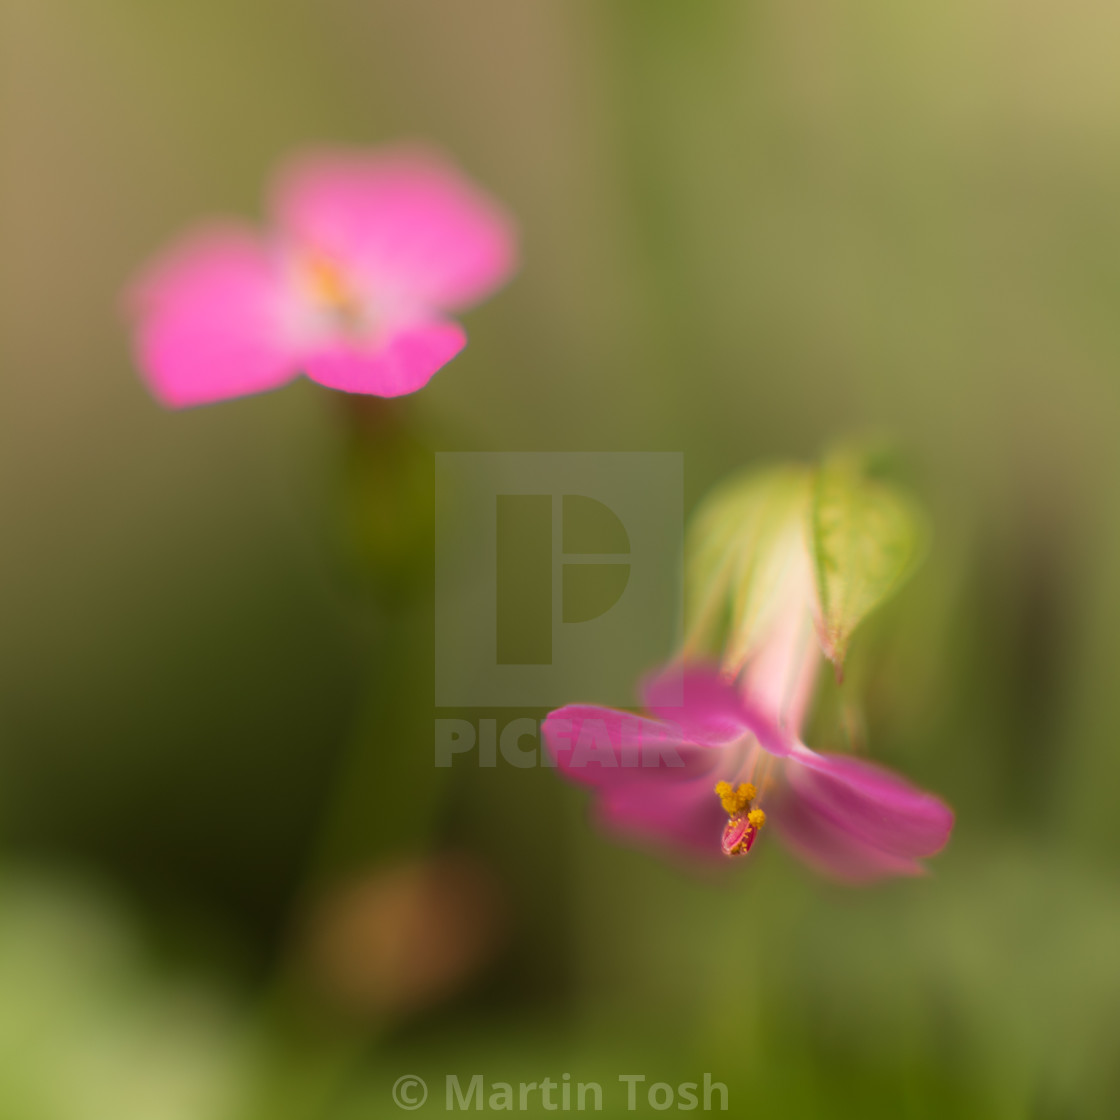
(744, 539)
(866, 538)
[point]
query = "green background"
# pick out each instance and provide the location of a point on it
(748, 228)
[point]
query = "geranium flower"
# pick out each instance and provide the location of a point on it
(773, 556)
(696, 777)
(368, 256)
(721, 757)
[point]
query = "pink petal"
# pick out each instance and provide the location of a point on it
(830, 849)
(653, 785)
(709, 709)
(781, 674)
(401, 363)
(857, 820)
(208, 320)
(610, 749)
(407, 217)
(688, 819)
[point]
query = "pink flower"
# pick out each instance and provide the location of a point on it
(369, 254)
(695, 777)
(697, 774)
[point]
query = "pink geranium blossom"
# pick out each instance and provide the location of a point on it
(696, 774)
(368, 256)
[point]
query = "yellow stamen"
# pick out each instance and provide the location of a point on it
(735, 801)
(328, 285)
(326, 281)
(756, 818)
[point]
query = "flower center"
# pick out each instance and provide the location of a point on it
(743, 822)
(329, 287)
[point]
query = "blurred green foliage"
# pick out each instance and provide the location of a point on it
(748, 229)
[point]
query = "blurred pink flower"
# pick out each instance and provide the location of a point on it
(695, 777)
(369, 254)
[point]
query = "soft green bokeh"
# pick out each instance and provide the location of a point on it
(748, 230)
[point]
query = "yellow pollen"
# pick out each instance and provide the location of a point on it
(327, 282)
(735, 801)
(756, 818)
